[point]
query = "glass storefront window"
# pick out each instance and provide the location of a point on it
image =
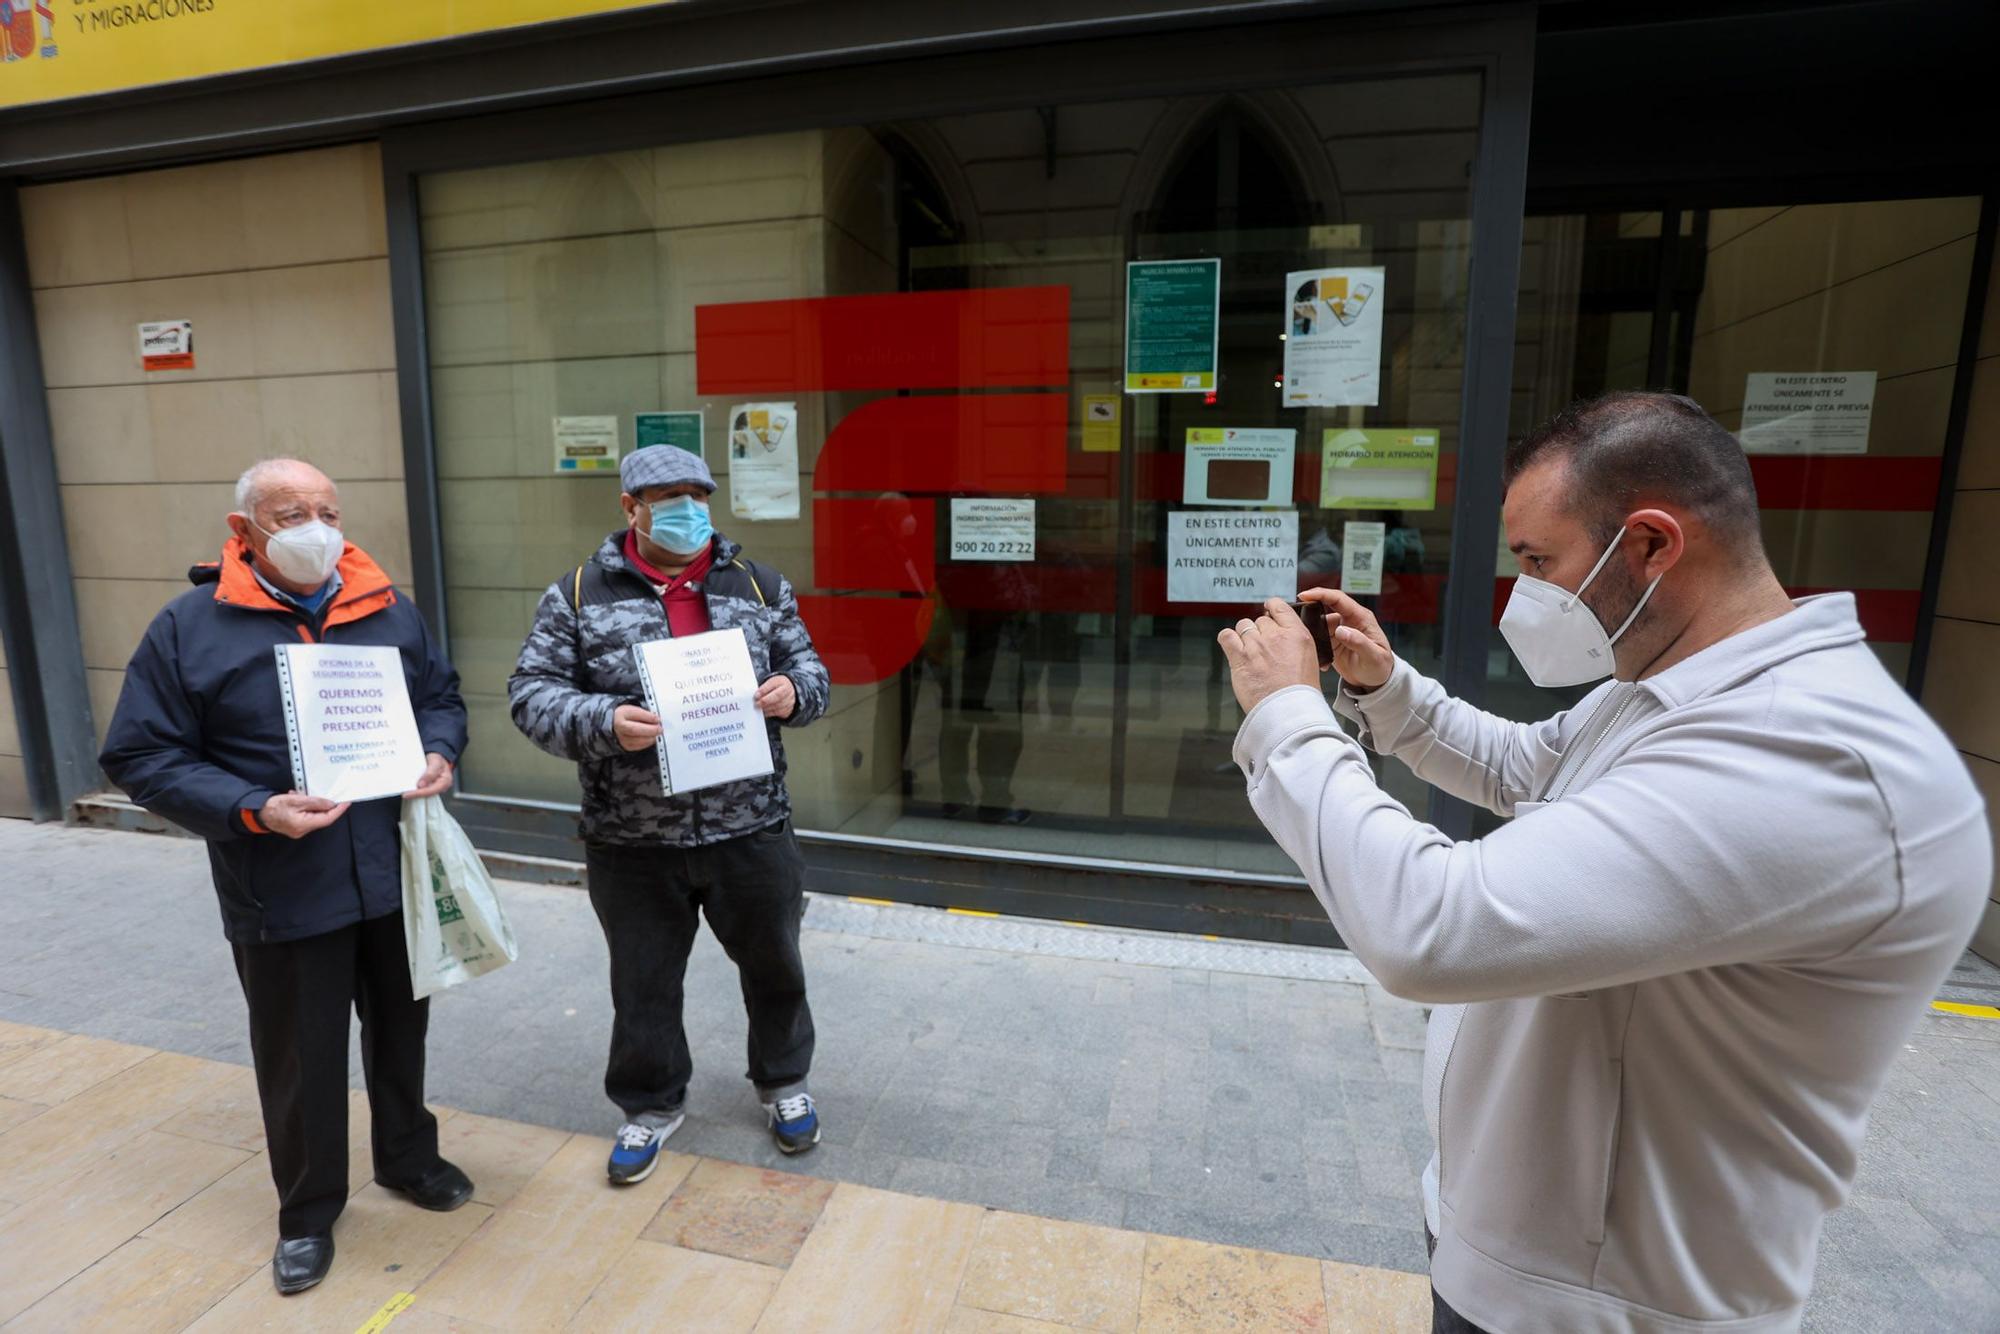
(1871, 293)
(1065, 703)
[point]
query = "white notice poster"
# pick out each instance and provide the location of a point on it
(347, 713)
(1238, 465)
(1333, 338)
(1818, 412)
(704, 690)
(1361, 557)
(990, 528)
(1232, 557)
(764, 460)
(586, 445)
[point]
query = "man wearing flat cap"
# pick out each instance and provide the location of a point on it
(657, 863)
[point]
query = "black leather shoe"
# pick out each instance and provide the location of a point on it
(443, 1189)
(301, 1262)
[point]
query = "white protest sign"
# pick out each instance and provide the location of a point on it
(1232, 557)
(347, 713)
(1361, 547)
(1820, 412)
(704, 690)
(990, 528)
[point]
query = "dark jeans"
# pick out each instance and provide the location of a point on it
(649, 900)
(1444, 1320)
(299, 993)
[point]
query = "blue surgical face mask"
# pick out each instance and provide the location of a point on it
(681, 525)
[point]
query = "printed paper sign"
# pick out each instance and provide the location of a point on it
(1231, 465)
(705, 692)
(166, 345)
(348, 717)
(764, 461)
(1378, 470)
(1232, 557)
(1333, 338)
(1821, 412)
(1172, 325)
(586, 444)
(983, 528)
(1100, 423)
(1361, 546)
(679, 429)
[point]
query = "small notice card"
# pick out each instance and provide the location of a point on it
(705, 692)
(347, 712)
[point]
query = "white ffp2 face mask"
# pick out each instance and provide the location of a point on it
(305, 553)
(1558, 639)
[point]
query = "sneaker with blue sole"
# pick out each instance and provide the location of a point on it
(794, 1122)
(636, 1151)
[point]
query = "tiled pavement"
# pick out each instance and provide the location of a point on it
(135, 1196)
(1193, 1097)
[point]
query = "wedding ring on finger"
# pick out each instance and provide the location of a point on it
(1245, 626)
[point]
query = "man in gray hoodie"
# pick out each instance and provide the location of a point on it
(1668, 990)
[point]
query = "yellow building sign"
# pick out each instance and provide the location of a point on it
(52, 49)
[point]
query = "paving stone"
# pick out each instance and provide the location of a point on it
(744, 1213)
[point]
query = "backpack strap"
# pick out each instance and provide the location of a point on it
(576, 591)
(749, 569)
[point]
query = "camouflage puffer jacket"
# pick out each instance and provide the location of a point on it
(577, 668)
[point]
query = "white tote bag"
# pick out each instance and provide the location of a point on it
(452, 923)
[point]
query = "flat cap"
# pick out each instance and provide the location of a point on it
(662, 465)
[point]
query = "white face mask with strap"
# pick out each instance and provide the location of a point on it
(306, 553)
(1558, 639)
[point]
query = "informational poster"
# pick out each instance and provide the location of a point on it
(992, 528)
(682, 430)
(1817, 412)
(1333, 338)
(1361, 547)
(1238, 465)
(1232, 557)
(705, 692)
(166, 345)
(1100, 423)
(348, 718)
(764, 460)
(1378, 469)
(586, 444)
(1172, 325)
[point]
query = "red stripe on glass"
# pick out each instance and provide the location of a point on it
(887, 544)
(864, 639)
(957, 443)
(1817, 482)
(1001, 337)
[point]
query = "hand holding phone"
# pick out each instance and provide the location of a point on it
(1314, 615)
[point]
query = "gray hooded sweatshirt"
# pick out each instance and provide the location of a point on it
(1670, 988)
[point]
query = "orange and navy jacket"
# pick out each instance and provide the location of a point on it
(199, 738)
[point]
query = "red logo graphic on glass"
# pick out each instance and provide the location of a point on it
(874, 518)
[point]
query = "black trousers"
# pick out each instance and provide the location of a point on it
(649, 900)
(299, 993)
(1445, 1320)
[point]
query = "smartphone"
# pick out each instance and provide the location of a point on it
(1314, 615)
